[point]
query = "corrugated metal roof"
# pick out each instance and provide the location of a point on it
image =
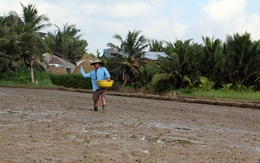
(154, 55)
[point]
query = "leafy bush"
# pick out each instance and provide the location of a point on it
(241, 88)
(23, 76)
(227, 87)
(161, 87)
(206, 84)
(71, 81)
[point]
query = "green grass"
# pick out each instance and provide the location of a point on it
(196, 92)
(41, 84)
(127, 89)
(213, 93)
(21, 78)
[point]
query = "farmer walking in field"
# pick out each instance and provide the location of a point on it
(99, 73)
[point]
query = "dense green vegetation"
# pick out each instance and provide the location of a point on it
(232, 65)
(21, 77)
(21, 39)
(71, 81)
(247, 95)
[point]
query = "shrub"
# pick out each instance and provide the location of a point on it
(161, 87)
(71, 81)
(23, 76)
(206, 84)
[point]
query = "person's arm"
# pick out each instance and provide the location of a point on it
(85, 75)
(107, 74)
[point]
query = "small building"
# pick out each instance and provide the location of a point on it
(58, 64)
(110, 53)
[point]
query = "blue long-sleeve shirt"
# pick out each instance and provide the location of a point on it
(97, 74)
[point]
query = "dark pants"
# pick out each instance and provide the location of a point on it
(99, 92)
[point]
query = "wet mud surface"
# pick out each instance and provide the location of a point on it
(57, 126)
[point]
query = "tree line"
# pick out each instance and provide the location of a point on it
(212, 64)
(234, 62)
(22, 39)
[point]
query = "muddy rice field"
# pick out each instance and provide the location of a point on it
(39, 125)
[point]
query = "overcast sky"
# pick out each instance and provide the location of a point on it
(166, 20)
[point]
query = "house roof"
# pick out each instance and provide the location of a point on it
(64, 58)
(154, 55)
(151, 55)
(56, 60)
(48, 57)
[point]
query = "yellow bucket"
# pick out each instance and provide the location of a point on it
(105, 83)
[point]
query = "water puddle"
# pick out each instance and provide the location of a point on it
(171, 126)
(9, 125)
(10, 112)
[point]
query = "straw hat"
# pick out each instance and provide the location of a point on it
(97, 61)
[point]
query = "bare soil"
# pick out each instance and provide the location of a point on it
(57, 126)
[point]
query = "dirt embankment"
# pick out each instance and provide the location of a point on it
(199, 100)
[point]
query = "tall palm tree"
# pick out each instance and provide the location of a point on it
(177, 67)
(156, 45)
(145, 74)
(212, 61)
(67, 42)
(244, 59)
(31, 42)
(131, 52)
(5, 56)
(9, 48)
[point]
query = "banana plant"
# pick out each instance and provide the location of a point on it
(227, 87)
(206, 84)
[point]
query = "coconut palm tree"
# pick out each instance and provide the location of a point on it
(145, 75)
(8, 48)
(30, 39)
(156, 45)
(5, 56)
(177, 67)
(244, 59)
(67, 42)
(131, 52)
(212, 58)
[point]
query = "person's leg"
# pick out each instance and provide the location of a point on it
(103, 99)
(95, 98)
(104, 102)
(95, 105)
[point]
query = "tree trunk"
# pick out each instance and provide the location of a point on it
(31, 69)
(125, 80)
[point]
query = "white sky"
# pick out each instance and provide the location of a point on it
(166, 20)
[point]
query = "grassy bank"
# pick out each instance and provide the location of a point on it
(232, 95)
(21, 78)
(196, 93)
